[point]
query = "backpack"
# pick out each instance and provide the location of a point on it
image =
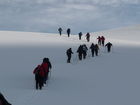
(37, 70)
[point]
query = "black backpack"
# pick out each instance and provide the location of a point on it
(37, 70)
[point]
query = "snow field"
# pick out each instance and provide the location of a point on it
(109, 79)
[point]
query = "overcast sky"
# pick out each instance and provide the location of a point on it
(79, 15)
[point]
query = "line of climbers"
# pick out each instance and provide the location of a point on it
(101, 39)
(41, 71)
(82, 51)
(69, 31)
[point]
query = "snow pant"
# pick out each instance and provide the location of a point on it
(103, 42)
(108, 49)
(46, 77)
(87, 39)
(79, 37)
(69, 58)
(92, 52)
(68, 34)
(39, 81)
(84, 54)
(96, 52)
(80, 56)
(60, 33)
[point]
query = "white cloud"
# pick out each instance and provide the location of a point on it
(87, 15)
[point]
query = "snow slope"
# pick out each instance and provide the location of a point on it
(109, 79)
(124, 36)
